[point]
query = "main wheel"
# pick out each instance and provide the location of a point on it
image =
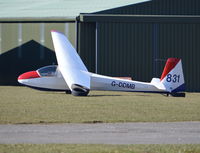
(78, 90)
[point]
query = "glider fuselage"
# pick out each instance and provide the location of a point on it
(72, 75)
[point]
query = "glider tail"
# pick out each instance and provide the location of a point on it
(172, 77)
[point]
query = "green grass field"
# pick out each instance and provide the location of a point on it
(61, 148)
(24, 105)
(20, 105)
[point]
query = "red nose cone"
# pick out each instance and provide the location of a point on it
(28, 75)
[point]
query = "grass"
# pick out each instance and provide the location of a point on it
(24, 105)
(77, 148)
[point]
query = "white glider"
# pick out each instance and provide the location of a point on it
(71, 75)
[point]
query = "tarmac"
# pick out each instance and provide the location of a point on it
(102, 133)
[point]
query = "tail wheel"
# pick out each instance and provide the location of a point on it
(181, 94)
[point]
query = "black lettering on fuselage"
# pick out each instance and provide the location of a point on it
(123, 85)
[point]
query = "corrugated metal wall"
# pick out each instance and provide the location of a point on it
(182, 40)
(140, 50)
(86, 44)
(125, 49)
(16, 34)
(27, 46)
(159, 7)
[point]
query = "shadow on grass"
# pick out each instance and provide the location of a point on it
(63, 93)
(98, 95)
(93, 122)
(139, 95)
(104, 95)
(52, 93)
(143, 95)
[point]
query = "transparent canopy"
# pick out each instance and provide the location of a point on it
(48, 70)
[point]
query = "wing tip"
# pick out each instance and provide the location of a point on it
(55, 31)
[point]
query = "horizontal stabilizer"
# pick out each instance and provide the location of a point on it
(156, 82)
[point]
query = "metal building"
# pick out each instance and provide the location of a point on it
(124, 38)
(25, 40)
(136, 40)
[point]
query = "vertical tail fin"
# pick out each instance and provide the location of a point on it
(172, 77)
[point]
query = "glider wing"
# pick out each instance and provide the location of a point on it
(71, 66)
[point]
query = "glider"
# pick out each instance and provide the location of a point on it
(72, 76)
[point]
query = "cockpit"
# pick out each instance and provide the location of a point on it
(48, 71)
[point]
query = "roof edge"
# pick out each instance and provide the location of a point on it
(139, 18)
(37, 19)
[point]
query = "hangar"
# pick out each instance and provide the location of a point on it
(124, 38)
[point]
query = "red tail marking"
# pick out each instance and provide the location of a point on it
(170, 64)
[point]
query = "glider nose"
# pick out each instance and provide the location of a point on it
(28, 75)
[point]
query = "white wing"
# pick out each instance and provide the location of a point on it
(70, 64)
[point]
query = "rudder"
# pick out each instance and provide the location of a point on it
(172, 77)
